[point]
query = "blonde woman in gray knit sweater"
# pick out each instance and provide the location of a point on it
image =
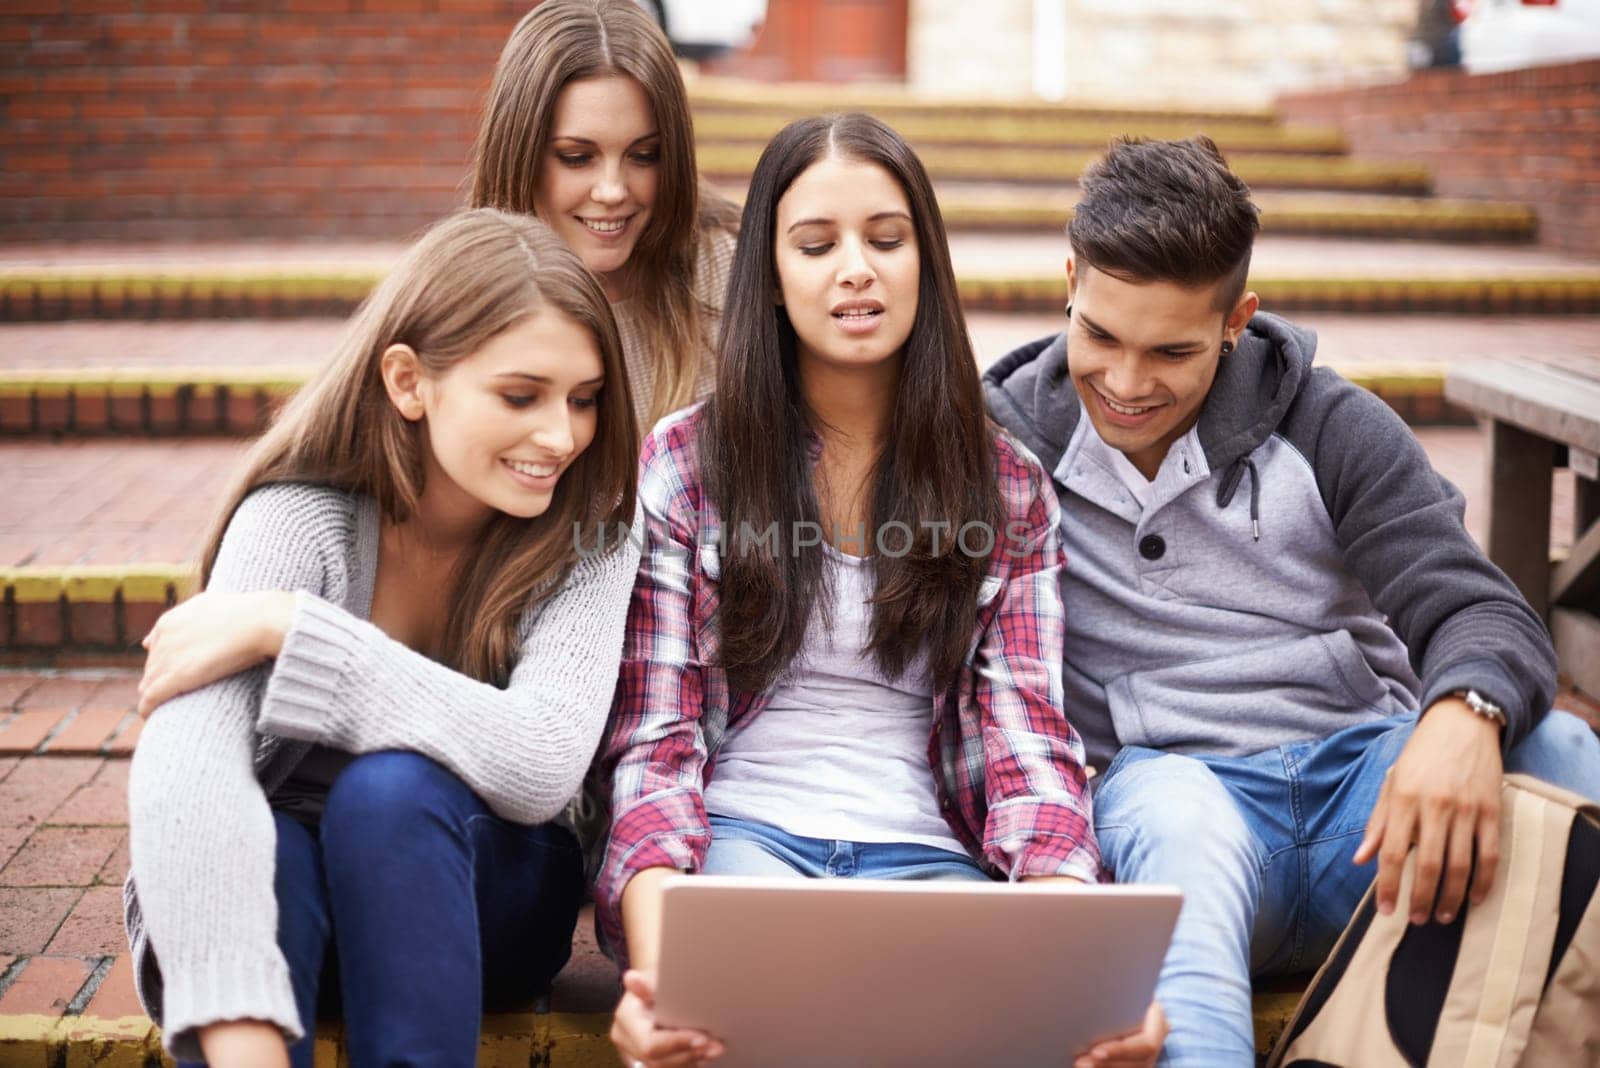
(587, 126)
(362, 733)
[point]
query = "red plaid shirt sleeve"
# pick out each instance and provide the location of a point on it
(1037, 792)
(654, 754)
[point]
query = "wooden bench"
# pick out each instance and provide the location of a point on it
(1543, 414)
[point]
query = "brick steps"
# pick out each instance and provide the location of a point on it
(96, 545)
(63, 383)
(1060, 165)
(237, 402)
(718, 127)
(1045, 209)
(44, 295)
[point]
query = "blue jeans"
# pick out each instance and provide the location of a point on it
(1261, 847)
(429, 904)
(745, 847)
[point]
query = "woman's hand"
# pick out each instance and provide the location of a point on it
(641, 1043)
(209, 637)
(1136, 1049)
(244, 1044)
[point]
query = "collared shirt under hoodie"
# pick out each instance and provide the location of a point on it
(1299, 566)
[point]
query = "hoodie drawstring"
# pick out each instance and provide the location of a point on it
(1231, 483)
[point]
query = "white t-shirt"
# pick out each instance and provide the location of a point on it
(1117, 462)
(840, 751)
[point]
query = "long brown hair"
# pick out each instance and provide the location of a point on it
(565, 40)
(937, 466)
(470, 277)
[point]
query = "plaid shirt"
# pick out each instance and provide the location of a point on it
(1008, 769)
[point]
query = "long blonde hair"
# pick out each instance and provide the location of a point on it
(565, 40)
(470, 277)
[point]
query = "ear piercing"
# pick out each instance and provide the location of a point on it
(1227, 347)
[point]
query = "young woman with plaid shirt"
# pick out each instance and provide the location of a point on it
(843, 653)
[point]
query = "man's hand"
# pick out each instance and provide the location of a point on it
(1442, 795)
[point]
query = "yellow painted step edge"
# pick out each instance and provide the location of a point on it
(1586, 284)
(513, 1040)
(1384, 378)
(97, 583)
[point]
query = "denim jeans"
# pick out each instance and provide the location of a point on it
(1261, 847)
(745, 847)
(425, 904)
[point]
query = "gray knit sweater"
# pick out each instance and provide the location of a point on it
(201, 831)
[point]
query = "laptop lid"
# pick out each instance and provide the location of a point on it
(858, 972)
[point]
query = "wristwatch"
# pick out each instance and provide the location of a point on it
(1482, 705)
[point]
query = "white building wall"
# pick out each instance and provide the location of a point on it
(1190, 52)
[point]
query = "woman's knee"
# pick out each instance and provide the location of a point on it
(394, 793)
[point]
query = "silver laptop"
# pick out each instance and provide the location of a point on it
(821, 972)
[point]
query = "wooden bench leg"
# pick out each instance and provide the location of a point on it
(1585, 506)
(1520, 466)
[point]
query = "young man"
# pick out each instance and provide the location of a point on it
(1284, 654)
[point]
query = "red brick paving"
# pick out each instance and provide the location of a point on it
(156, 502)
(123, 743)
(100, 802)
(61, 856)
(94, 927)
(1044, 252)
(28, 728)
(30, 916)
(88, 731)
(36, 788)
(1351, 341)
(973, 252)
(62, 691)
(1345, 340)
(13, 688)
(12, 839)
(116, 996)
(117, 867)
(46, 986)
(110, 502)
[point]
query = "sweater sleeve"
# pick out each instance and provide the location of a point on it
(1400, 525)
(201, 835)
(342, 682)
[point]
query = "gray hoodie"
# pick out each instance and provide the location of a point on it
(1299, 566)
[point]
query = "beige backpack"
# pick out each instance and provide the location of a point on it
(1514, 981)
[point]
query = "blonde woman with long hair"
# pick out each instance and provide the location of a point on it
(587, 126)
(363, 732)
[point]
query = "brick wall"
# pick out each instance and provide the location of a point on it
(126, 119)
(1531, 136)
